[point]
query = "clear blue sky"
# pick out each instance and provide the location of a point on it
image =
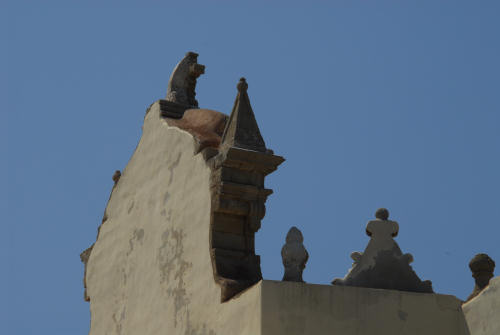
(373, 104)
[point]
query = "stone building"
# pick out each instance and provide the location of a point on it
(175, 251)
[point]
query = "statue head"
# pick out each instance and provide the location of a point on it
(294, 236)
(482, 267)
(382, 214)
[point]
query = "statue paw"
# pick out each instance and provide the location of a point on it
(356, 256)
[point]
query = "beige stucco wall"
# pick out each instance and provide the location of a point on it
(483, 312)
(297, 308)
(150, 270)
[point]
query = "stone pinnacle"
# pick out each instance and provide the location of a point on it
(242, 85)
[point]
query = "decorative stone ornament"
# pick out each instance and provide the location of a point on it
(241, 129)
(482, 267)
(294, 255)
(116, 176)
(182, 83)
(382, 264)
(239, 168)
(181, 91)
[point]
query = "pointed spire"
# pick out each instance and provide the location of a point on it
(242, 130)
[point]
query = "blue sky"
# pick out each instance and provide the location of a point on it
(373, 104)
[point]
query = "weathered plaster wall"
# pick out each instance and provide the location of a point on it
(150, 270)
(296, 308)
(483, 312)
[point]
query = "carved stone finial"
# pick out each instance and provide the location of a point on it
(382, 214)
(382, 264)
(182, 83)
(116, 176)
(241, 130)
(242, 85)
(482, 267)
(294, 255)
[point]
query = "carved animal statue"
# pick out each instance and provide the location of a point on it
(182, 83)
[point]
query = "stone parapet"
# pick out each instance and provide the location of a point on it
(291, 308)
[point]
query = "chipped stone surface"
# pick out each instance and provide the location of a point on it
(150, 270)
(205, 125)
